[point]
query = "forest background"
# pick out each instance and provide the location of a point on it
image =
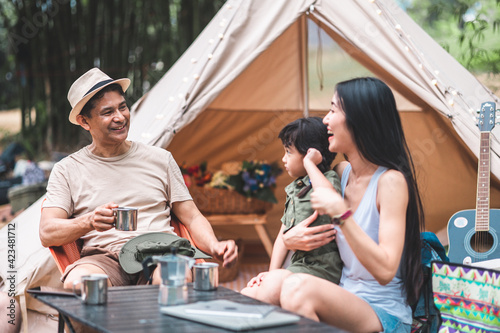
(46, 44)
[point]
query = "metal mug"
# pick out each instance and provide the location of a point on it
(206, 276)
(94, 289)
(125, 218)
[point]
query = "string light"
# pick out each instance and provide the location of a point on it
(423, 64)
(198, 67)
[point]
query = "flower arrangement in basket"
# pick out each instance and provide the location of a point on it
(253, 182)
(196, 173)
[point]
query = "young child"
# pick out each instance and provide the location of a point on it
(324, 262)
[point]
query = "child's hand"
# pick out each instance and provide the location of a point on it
(255, 281)
(314, 156)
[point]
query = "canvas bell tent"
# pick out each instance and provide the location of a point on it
(261, 64)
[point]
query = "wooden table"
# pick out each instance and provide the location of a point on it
(135, 309)
(257, 220)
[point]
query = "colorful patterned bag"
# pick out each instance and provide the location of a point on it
(467, 297)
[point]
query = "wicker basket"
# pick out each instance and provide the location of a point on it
(220, 201)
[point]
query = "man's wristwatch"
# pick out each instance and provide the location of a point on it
(340, 219)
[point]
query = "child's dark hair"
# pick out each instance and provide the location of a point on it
(305, 133)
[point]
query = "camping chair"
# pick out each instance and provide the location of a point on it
(67, 254)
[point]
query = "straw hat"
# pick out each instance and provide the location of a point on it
(87, 86)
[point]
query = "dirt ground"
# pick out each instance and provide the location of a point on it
(10, 121)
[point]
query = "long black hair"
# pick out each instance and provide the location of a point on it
(373, 120)
(305, 133)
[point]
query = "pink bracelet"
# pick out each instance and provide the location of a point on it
(340, 219)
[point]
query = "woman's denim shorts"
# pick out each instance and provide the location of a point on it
(390, 323)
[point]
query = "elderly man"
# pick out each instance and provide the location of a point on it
(86, 186)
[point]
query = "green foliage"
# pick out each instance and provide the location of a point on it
(474, 24)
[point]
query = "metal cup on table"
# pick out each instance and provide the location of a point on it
(206, 276)
(94, 289)
(125, 218)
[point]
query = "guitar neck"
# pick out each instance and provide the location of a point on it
(483, 184)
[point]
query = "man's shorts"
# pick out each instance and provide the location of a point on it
(107, 261)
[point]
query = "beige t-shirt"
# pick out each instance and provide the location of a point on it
(145, 177)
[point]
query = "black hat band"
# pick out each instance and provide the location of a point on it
(98, 85)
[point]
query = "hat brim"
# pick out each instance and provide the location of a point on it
(124, 83)
(128, 251)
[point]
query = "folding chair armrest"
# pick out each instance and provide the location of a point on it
(181, 231)
(66, 254)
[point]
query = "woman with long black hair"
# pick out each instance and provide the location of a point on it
(378, 218)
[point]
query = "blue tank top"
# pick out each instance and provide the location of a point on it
(355, 278)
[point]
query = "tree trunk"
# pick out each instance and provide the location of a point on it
(60, 40)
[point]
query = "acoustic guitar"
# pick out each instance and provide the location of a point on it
(473, 234)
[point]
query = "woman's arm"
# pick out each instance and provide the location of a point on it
(311, 161)
(305, 238)
(382, 259)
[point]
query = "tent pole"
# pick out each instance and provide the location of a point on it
(305, 62)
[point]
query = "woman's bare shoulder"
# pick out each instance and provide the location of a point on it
(392, 176)
(393, 182)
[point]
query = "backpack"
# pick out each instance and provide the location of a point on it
(426, 316)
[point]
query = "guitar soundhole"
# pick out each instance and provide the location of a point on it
(481, 241)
